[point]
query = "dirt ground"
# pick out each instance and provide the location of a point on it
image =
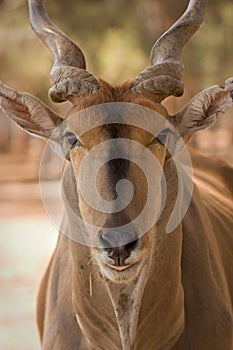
(27, 239)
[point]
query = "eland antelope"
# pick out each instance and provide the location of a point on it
(128, 289)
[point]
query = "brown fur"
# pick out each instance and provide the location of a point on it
(176, 292)
(187, 300)
(205, 260)
(122, 93)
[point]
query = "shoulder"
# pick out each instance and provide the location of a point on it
(212, 174)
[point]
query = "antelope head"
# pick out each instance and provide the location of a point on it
(121, 248)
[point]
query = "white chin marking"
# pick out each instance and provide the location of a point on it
(120, 274)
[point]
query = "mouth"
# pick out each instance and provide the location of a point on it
(120, 273)
(120, 268)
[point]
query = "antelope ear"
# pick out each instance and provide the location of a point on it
(28, 112)
(203, 109)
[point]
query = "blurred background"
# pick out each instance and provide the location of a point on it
(116, 36)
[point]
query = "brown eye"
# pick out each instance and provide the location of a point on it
(72, 139)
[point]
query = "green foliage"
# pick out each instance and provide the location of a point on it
(116, 36)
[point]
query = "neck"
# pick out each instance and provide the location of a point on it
(161, 319)
(160, 316)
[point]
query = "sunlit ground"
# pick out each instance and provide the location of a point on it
(27, 239)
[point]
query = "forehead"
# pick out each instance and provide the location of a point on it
(116, 120)
(111, 131)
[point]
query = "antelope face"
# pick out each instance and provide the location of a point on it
(125, 159)
(112, 188)
(119, 191)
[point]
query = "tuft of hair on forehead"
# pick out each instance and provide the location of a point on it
(123, 93)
